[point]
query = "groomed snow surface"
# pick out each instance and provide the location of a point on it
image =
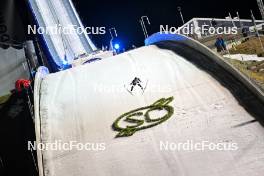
(80, 104)
(244, 57)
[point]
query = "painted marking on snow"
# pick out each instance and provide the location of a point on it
(137, 123)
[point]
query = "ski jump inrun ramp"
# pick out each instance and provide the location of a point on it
(212, 102)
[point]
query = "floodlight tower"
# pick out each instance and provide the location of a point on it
(261, 8)
(180, 11)
(112, 47)
(144, 26)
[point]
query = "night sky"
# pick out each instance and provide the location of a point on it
(124, 15)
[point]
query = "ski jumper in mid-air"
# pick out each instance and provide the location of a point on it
(136, 82)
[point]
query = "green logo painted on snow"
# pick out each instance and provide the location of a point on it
(137, 123)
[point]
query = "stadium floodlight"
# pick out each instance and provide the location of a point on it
(117, 46)
(64, 62)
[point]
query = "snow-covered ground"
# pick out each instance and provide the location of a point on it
(80, 104)
(82, 60)
(244, 57)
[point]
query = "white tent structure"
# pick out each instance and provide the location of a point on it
(81, 104)
(13, 66)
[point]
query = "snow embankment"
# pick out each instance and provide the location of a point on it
(244, 57)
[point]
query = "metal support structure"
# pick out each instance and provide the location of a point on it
(114, 29)
(261, 8)
(179, 9)
(230, 16)
(2, 166)
(256, 30)
(145, 35)
(112, 36)
(240, 24)
(144, 26)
